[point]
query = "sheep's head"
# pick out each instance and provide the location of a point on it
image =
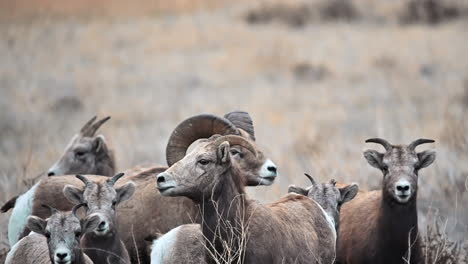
(199, 174)
(400, 165)
(101, 199)
(63, 231)
(329, 196)
(86, 153)
(258, 170)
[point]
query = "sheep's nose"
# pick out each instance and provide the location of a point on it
(161, 178)
(102, 225)
(61, 255)
(50, 173)
(272, 169)
(402, 188)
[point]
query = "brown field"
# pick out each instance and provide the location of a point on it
(315, 89)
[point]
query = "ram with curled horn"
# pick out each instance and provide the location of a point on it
(147, 211)
(377, 226)
(295, 229)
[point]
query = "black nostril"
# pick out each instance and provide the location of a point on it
(271, 168)
(399, 188)
(62, 255)
(406, 188)
(51, 173)
(102, 225)
(161, 179)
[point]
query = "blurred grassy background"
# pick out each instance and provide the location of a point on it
(318, 78)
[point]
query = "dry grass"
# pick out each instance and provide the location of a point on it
(315, 93)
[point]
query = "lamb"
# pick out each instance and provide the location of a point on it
(378, 226)
(54, 240)
(103, 245)
(294, 229)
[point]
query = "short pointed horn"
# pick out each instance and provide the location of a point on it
(237, 141)
(311, 179)
(83, 179)
(418, 142)
(192, 129)
(115, 178)
(51, 209)
(76, 207)
(89, 129)
(382, 142)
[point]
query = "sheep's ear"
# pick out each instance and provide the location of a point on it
(37, 224)
(73, 194)
(425, 159)
(298, 190)
(348, 193)
(90, 223)
(99, 143)
(374, 158)
(125, 192)
(223, 152)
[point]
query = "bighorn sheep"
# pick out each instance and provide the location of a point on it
(185, 244)
(103, 245)
(85, 154)
(148, 211)
(54, 240)
(295, 229)
(381, 226)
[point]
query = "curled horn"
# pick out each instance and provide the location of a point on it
(76, 207)
(418, 142)
(237, 140)
(89, 129)
(193, 128)
(83, 179)
(115, 178)
(382, 142)
(51, 209)
(311, 179)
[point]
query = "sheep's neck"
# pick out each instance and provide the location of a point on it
(223, 217)
(95, 245)
(398, 223)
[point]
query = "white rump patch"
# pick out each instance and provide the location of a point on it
(19, 216)
(162, 247)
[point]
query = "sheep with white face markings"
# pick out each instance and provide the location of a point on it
(54, 240)
(295, 229)
(381, 226)
(186, 244)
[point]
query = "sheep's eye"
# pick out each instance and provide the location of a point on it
(80, 153)
(235, 152)
(77, 234)
(47, 235)
(114, 203)
(203, 162)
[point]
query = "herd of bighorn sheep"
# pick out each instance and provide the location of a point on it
(196, 210)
